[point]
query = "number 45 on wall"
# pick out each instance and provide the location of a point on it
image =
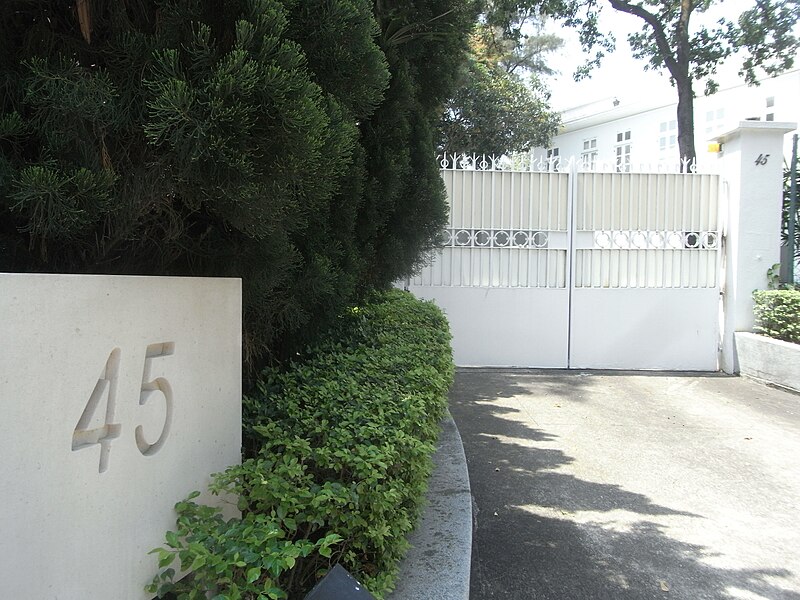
(106, 386)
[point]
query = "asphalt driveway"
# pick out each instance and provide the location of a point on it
(623, 486)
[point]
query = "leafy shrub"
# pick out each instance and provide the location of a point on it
(337, 457)
(777, 314)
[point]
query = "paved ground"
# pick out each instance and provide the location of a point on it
(631, 486)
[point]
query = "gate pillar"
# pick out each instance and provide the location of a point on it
(752, 174)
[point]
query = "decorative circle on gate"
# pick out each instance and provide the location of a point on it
(501, 238)
(463, 237)
(602, 239)
(639, 239)
(709, 239)
(482, 238)
(521, 239)
(622, 239)
(656, 239)
(691, 239)
(446, 238)
(539, 239)
(674, 240)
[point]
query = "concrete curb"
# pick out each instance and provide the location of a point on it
(768, 360)
(437, 565)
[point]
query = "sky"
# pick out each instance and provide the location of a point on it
(620, 75)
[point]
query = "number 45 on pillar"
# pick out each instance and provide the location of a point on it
(106, 387)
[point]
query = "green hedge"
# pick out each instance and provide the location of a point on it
(337, 457)
(777, 314)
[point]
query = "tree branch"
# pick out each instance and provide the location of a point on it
(658, 31)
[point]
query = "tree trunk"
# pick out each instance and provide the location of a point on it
(686, 120)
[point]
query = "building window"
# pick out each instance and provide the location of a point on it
(622, 151)
(553, 158)
(666, 141)
(770, 116)
(715, 120)
(589, 154)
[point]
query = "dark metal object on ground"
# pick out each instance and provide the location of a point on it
(338, 584)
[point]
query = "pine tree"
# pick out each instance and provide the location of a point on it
(286, 142)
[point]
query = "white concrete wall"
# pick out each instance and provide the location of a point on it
(752, 172)
(153, 366)
(765, 359)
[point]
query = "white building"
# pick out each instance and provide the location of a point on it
(626, 135)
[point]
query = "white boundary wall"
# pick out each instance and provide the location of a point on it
(752, 170)
(119, 396)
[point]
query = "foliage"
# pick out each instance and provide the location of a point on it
(763, 34)
(286, 142)
(501, 106)
(337, 456)
(495, 113)
(777, 314)
(404, 206)
(787, 190)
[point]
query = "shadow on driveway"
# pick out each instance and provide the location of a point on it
(564, 469)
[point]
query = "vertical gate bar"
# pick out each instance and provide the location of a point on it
(684, 220)
(680, 178)
(649, 226)
(502, 222)
(665, 223)
(590, 197)
(539, 228)
(511, 225)
(510, 228)
(512, 232)
(716, 223)
(572, 194)
(704, 228)
(491, 221)
(530, 228)
(670, 184)
(673, 220)
(629, 263)
(544, 226)
(693, 256)
(616, 200)
(462, 250)
(711, 277)
(719, 224)
(589, 224)
(480, 218)
(588, 254)
(471, 224)
(452, 224)
(533, 200)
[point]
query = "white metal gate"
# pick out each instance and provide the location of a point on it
(581, 270)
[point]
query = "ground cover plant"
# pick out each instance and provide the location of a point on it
(336, 461)
(777, 314)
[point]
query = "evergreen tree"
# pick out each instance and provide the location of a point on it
(182, 137)
(287, 142)
(404, 207)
